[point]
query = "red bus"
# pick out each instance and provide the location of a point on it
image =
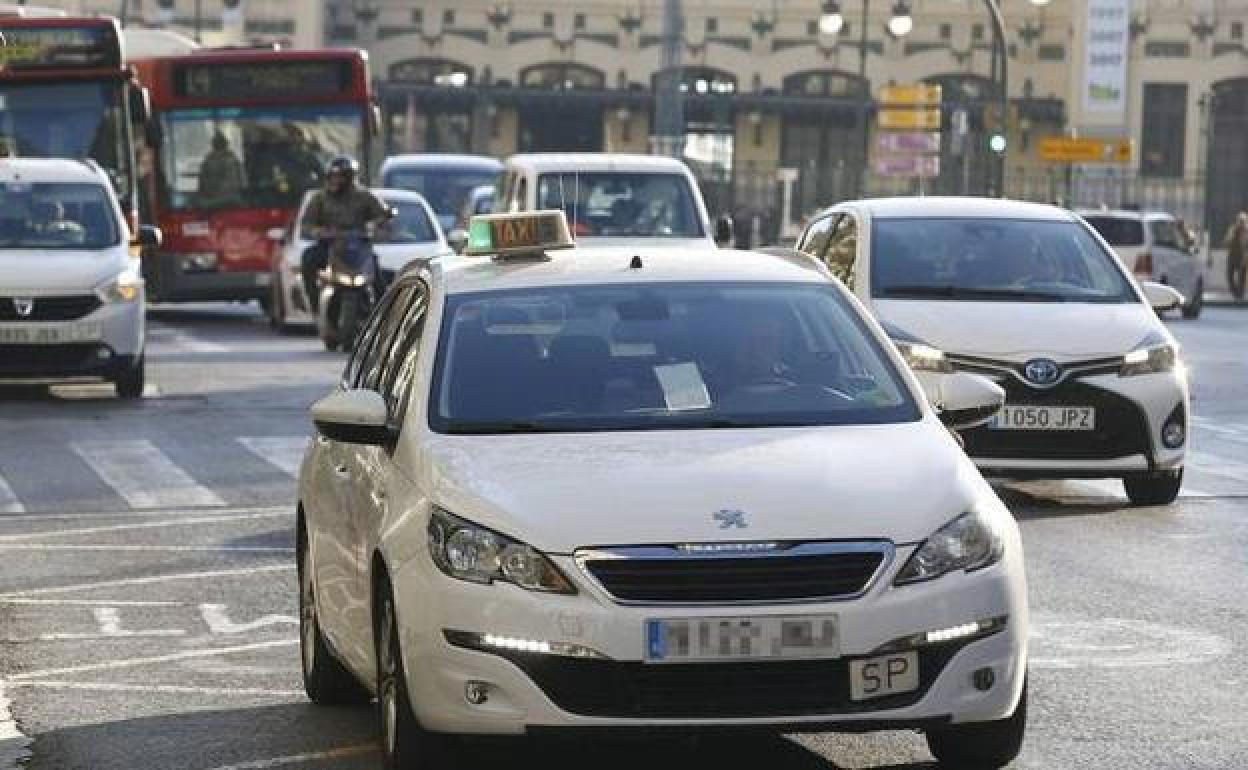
(66, 92)
(235, 139)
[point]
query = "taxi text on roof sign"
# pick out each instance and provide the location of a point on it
(526, 233)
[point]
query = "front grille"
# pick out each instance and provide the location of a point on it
(789, 573)
(50, 308)
(36, 360)
(1121, 427)
(602, 688)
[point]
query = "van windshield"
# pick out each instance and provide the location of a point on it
(619, 204)
(56, 216)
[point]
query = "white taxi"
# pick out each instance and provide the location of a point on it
(71, 295)
(566, 490)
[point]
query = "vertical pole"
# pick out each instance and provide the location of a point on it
(865, 111)
(199, 21)
(1000, 53)
(669, 115)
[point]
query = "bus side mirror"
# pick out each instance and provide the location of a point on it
(150, 237)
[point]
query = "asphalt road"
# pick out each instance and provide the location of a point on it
(148, 603)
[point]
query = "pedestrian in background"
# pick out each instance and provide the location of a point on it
(1236, 251)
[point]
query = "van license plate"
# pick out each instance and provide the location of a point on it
(49, 334)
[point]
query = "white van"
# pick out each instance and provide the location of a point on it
(612, 198)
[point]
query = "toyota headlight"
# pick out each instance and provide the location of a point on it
(126, 287)
(466, 551)
(923, 358)
(1149, 360)
(967, 543)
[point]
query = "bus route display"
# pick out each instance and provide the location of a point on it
(261, 79)
(29, 46)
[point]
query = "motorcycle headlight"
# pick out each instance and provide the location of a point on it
(967, 543)
(126, 287)
(466, 551)
(1149, 360)
(922, 357)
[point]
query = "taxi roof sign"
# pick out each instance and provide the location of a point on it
(529, 233)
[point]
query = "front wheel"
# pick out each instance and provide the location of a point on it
(981, 745)
(1192, 309)
(1161, 488)
(350, 314)
(327, 682)
(129, 384)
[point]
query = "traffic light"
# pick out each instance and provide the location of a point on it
(997, 143)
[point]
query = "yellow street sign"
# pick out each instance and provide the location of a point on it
(1063, 149)
(910, 94)
(924, 119)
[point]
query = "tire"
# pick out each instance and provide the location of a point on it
(277, 306)
(405, 745)
(1154, 488)
(981, 745)
(349, 318)
(326, 681)
(129, 384)
(1191, 310)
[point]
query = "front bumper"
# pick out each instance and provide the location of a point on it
(117, 348)
(533, 691)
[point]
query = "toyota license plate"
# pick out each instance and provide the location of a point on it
(684, 640)
(1064, 418)
(49, 334)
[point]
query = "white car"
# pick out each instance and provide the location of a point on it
(414, 234)
(645, 488)
(613, 198)
(71, 295)
(447, 180)
(1155, 247)
(1031, 296)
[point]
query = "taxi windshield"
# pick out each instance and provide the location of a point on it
(992, 260)
(614, 204)
(660, 356)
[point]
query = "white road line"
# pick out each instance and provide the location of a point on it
(1212, 464)
(191, 344)
(297, 759)
(14, 744)
(218, 620)
(89, 602)
(160, 688)
(286, 452)
(222, 513)
(109, 621)
(144, 548)
(8, 499)
(112, 665)
(128, 527)
(142, 474)
(147, 580)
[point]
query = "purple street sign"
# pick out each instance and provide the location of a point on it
(907, 165)
(900, 142)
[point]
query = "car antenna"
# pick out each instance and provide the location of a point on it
(635, 263)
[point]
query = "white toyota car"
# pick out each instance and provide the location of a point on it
(71, 295)
(1034, 298)
(648, 489)
(413, 234)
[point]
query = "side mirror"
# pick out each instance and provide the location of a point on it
(966, 401)
(1160, 296)
(724, 232)
(354, 417)
(150, 237)
(458, 239)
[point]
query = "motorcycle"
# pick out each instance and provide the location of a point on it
(348, 289)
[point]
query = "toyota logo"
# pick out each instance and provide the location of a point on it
(1042, 372)
(23, 307)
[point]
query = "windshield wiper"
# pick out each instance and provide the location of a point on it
(959, 292)
(486, 427)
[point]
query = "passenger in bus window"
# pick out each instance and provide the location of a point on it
(220, 174)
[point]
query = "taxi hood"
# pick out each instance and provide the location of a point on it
(46, 272)
(1067, 329)
(564, 491)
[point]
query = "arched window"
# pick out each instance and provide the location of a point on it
(432, 72)
(826, 83)
(562, 76)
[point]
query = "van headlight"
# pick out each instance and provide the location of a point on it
(126, 287)
(967, 543)
(466, 551)
(924, 358)
(1149, 360)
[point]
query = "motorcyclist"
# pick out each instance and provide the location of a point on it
(342, 207)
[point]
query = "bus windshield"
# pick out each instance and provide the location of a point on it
(68, 120)
(252, 157)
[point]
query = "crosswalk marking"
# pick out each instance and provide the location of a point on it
(8, 500)
(285, 452)
(1218, 466)
(142, 474)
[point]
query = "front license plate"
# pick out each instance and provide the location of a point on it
(682, 640)
(1017, 417)
(885, 675)
(49, 334)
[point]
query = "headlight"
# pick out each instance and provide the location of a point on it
(967, 543)
(469, 552)
(1149, 360)
(923, 357)
(126, 287)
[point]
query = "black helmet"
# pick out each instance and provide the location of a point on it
(343, 164)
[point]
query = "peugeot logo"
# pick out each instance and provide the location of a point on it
(24, 307)
(1042, 372)
(730, 519)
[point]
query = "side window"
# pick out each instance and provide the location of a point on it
(521, 201)
(842, 250)
(379, 353)
(404, 360)
(351, 374)
(817, 236)
(505, 181)
(1164, 234)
